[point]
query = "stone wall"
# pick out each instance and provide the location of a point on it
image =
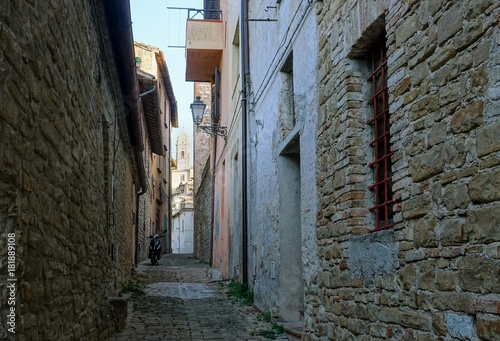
(201, 141)
(435, 274)
(203, 217)
(203, 181)
(66, 179)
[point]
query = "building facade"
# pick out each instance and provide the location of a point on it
(282, 118)
(182, 198)
(70, 167)
(203, 183)
(373, 164)
(406, 172)
(212, 59)
(160, 115)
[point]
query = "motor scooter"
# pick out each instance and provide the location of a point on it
(154, 249)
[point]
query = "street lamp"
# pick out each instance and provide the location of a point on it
(198, 109)
(181, 187)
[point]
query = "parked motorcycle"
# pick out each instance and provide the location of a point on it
(154, 249)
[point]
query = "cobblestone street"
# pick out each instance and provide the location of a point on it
(183, 303)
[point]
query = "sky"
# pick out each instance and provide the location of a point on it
(155, 25)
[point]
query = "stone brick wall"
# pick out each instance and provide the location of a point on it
(435, 274)
(64, 146)
(203, 181)
(201, 140)
(203, 217)
(145, 208)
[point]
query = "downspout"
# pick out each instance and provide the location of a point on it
(244, 73)
(212, 225)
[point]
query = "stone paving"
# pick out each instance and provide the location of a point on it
(183, 303)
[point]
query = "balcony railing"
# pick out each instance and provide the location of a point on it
(204, 14)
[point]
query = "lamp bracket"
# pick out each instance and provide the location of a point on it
(215, 130)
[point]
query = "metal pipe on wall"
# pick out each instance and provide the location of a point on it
(244, 73)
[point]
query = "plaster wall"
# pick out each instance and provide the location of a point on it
(283, 248)
(227, 189)
(183, 231)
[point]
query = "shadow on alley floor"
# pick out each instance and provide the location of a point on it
(182, 303)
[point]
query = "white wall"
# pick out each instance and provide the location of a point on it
(273, 239)
(183, 232)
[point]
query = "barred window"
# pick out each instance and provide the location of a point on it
(381, 165)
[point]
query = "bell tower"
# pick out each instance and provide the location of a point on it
(182, 148)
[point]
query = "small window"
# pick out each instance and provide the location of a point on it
(381, 165)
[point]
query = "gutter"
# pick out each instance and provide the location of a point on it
(244, 113)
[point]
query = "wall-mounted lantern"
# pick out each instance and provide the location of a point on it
(198, 109)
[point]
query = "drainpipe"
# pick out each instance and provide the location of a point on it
(212, 224)
(244, 73)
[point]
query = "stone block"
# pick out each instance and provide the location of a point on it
(476, 8)
(492, 307)
(416, 207)
(488, 327)
(406, 30)
(416, 319)
(451, 232)
(444, 55)
(407, 276)
(416, 145)
(488, 139)
(467, 118)
(445, 280)
(460, 326)
(449, 23)
(426, 165)
(423, 232)
(456, 301)
(478, 274)
(379, 330)
(437, 134)
(389, 315)
(426, 275)
(485, 187)
(424, 107)
(456, 196)
(454, 152)
(483, 225)
(481, 53)
(439, 324)
(479, 80)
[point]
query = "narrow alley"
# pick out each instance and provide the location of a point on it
(182, 302)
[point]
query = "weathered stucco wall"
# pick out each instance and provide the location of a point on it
(61, 139)
(435, 274)
(282, 122)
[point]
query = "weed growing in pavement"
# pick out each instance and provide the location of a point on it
(133, 287)
(264, 317)
(271, 334)
(240, 293)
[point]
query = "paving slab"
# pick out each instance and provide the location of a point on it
(183, 302)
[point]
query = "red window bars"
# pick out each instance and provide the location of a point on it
(381, 165)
